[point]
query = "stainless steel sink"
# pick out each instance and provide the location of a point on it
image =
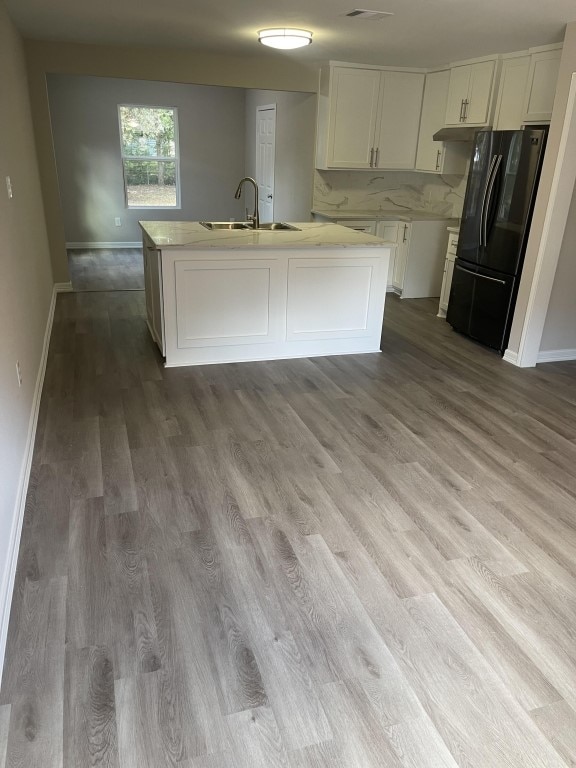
(272, 226)
(227, 224)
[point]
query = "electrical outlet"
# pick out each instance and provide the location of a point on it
(118, 221)
(19, 373)
(9, 188)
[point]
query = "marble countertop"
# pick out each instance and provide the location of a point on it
(382, 215)
(191, 234)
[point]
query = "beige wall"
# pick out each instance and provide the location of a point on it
(560, 326)
(275, 73)
(25, 290)
(295, 140)
(567, 67)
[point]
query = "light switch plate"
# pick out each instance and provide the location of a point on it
(9, 188)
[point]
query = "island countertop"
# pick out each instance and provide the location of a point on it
(192, 235)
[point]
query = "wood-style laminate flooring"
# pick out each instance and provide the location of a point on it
(340, 562)
(102, 269)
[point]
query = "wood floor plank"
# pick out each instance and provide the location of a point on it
(133, 638)
(4, 727)
(36, 686)
(237, 674)
(90, 598)
(558, 723)
(119, 488)
(90, 737)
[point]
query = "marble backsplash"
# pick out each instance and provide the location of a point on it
(389, 190)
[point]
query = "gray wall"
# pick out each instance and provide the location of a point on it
(295, 138)
(560, 326)
(25, 293)
(84, 115)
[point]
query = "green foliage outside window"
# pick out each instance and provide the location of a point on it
(149, 152)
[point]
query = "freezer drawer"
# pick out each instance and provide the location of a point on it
(481, 303)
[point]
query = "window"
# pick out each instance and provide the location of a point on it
(149, 142)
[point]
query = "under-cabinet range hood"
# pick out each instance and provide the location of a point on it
(458, 133)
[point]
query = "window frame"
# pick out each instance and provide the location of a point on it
(157, 158)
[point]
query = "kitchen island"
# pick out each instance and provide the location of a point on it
(229, 296)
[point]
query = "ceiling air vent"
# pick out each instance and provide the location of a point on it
(363, 13)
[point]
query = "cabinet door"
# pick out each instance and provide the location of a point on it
(513, 81)
(446, 285)
(457, 93)
(148, 252)
(388, 231)
(400, 261)
(399, 119)
(155, 261)
(477, 111)
(430, 153)
(541, 86)
(353, 112)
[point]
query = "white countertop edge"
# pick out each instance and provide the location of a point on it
(191, 235)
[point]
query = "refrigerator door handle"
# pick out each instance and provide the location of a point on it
(477, 274)
(488, 199)
(484, 196)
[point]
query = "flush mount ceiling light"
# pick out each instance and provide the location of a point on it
(285, 39)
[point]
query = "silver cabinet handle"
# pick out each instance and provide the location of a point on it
(372, 158)
(376, 157)
(484, 277)
(462, 110)
(438, 156)
(466, 103)
(405, 233)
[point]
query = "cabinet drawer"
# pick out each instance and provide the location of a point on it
(369, 227)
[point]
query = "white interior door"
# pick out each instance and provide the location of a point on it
(265, 155)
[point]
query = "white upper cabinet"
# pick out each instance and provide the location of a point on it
(527, 87)
(436, 156)
(396, 138)
(352, 120)
(513, 80)
(470, 93)
(368, 118)
(541, 88)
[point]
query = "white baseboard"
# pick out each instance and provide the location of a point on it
(63, 287)
(86, 246)
(18, 518)
(511, 357)
(556, 355)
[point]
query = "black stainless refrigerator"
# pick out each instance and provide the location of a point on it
(502, 182)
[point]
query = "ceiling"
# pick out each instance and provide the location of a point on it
(422, 33)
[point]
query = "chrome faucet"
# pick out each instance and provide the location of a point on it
(255, 217)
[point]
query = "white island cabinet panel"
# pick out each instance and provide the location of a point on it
(331, 298)
(211, 305)
(235, 296)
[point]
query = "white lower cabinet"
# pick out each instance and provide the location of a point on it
(153, 291)
(416, 268)
(232, 305)
(448, 273)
